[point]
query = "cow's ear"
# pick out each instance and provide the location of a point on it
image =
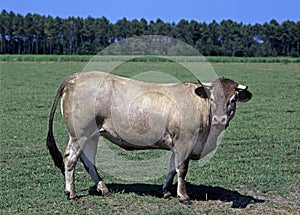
(244, 96)
(202, 92)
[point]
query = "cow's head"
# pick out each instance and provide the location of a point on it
(223, 94)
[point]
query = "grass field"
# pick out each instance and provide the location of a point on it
(86, 58)
(254, 171)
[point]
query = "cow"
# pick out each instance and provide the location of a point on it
(184, 118)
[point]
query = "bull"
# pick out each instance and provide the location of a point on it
(184, 118)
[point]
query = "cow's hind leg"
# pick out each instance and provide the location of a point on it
(169, 181)
(88, 159)
(70, 159)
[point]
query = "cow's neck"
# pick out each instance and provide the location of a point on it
(212, 138)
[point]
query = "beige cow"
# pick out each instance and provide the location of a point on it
(185, 118)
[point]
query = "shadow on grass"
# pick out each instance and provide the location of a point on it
(196, 192)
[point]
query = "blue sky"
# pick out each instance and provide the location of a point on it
(253, 11)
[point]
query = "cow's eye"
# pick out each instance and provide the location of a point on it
(211, 98)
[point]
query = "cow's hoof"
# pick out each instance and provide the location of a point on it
(101, 187)
(167, 195)
(105, 192)
(70, 196)
(185, 199)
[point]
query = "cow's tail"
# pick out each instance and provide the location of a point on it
(51, 145)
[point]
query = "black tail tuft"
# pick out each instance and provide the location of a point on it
(54, 152)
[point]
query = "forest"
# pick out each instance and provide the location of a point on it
(38, 34)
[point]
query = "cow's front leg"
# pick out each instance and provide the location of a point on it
(181, 173)
(169, 181)
(168, 184)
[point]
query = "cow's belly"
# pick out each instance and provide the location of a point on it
(134, 143)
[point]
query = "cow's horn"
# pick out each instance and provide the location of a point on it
(204, 84)
(242, 87)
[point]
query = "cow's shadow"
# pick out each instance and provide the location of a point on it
(196, 192)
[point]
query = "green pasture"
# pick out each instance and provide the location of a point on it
(87, 58)
(256, 169)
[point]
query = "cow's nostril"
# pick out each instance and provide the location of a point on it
(219, 119)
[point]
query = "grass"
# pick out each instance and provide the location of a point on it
(257, 160)
(87, 58)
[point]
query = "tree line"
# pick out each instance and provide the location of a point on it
(37, 34)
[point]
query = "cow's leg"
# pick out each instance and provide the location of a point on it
(169, 181)
(181, 173)
(88, 159)
(72, 152)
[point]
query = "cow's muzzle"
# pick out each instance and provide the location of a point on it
(220, 122)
